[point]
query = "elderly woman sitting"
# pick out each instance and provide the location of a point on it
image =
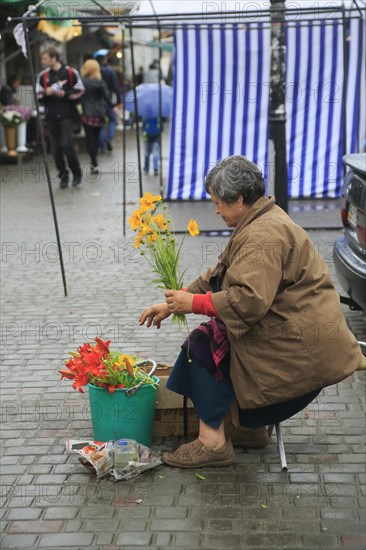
(276, 334)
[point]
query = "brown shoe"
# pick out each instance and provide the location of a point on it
(196, 455)
(244, 437)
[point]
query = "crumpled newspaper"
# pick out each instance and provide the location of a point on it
(98, 458)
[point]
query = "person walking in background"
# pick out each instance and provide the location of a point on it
(139, 77)
(10, 91)
(152, 129)
(94, 103)
(59, 87)
(110, 78)
(153, 73)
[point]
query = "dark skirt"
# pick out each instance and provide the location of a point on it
(212, 399)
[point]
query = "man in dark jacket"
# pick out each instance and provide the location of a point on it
(59, 87)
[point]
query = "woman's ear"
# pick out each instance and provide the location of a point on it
(240, 201)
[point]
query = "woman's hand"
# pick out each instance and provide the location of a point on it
(179, 301)
(154, 314)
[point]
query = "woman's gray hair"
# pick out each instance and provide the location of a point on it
(235, 177)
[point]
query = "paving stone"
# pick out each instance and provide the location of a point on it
(65, 540)
(342, 468)
(269, 541)
(318, 459)
(188, 525)
(301, 468)
(24, 513)
(10, 460)
(18, 541)
(219, 525)
(29, 450)
(310, 514)
(34, 526)
(339, 514)
(358, 449)
(226, 540)
(171, 512)
(73, 526)
(134, 512)
(50, 496)
(135, 539)
(52, 459)
(188, 540)
(104, 541)
(162, 539)
(97, 512)
(225, 511)
(304, 478)
(60, 512)
(337, 449)
(8, 480)
(353, 542)
(19, 501)
(339, 478)
(161, 499)
(106, 525)
(320, 541)
(14, 443)
(361, 504)
(352, 458)
(343, 527)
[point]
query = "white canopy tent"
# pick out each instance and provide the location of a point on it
(239, 9)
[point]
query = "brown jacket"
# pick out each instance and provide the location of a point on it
(272, 289)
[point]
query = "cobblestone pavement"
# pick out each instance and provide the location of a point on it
(49, 499)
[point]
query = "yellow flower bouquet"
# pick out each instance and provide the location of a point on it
(156, 236)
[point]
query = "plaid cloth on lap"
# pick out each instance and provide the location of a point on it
(209, 345)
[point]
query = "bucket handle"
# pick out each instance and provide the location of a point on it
(134, 389)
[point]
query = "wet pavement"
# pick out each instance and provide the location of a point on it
(49, 500)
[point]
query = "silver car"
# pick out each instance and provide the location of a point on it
(349, 252)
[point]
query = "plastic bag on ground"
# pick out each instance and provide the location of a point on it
(98, 458)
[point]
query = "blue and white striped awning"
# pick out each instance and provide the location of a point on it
(318, 122)
(220, 105)
(221, 97)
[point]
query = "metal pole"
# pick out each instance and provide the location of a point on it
(277, 108)
(3, 60)
(281, 447)
(124, 198)
(160, 101)
(160, 118)
(44, 154)
(345, 29)
(136, 112)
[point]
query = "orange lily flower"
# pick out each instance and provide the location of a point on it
(130, 369)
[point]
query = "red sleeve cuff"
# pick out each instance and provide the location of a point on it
(202, 305)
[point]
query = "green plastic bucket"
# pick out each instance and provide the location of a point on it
(117, 416)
